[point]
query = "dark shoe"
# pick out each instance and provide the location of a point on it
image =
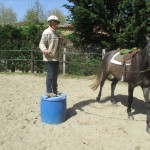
(57, 93)
(50, 94)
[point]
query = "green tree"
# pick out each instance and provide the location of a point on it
(59, 14)
(111, 23)
(35, 14)
(7, 15)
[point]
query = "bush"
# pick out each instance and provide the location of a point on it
(82, 65)
(27, 38)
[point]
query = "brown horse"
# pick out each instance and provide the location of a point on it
(135, 74)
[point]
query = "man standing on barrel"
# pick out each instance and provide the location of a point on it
(51, 44)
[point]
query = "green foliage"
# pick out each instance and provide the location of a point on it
(74, 38)
(57, 12)
(2, 66)
(7, 15)
(20, 38)
(35, 14)
(82, 64)
(25, 38)
(111, 24)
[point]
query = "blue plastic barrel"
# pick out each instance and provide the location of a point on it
(53, 109)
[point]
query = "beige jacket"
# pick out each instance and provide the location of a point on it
(52, 43)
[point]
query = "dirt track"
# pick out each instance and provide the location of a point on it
(89, 125)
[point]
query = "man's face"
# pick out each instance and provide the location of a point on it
(55, 25)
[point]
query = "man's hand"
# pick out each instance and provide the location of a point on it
(46, 52)
(61, 37)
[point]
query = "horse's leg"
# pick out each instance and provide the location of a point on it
(130, 100)
(146, 93)
(100, 91)
(113, 86)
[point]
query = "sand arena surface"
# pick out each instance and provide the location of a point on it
(89, 125)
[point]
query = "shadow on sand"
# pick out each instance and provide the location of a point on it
(78, 106)
(138, 105)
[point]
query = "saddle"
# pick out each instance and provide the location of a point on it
(126, 55)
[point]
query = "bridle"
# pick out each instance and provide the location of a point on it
(148, 69)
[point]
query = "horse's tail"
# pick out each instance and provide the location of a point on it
(98, 79)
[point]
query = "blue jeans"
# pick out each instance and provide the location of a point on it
(52, 76)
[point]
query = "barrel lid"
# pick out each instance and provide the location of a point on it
(59, 97)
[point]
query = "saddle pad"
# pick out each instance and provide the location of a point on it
(124, 51)
(117, 59)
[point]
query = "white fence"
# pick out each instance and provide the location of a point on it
(67, 53)
(32, 59)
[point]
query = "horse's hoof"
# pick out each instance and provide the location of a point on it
(130, 117)
(114, 103)
(148, 129)
(98, 99)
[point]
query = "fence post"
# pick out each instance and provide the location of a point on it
(103, 53)
(32, 61)
(64, 61)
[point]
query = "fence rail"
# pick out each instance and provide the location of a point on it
(32, 59)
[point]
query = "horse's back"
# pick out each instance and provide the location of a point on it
(106, 60)
(111, 68)
(110, 54)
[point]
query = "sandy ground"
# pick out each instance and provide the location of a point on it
(89, 125)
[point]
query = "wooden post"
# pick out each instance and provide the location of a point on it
(103, 53)
(32, 61)
(64, 61)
